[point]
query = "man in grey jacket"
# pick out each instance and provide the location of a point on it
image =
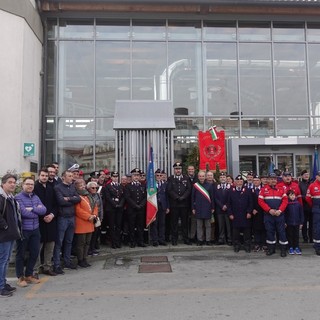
(67, 197)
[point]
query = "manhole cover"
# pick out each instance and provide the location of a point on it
(155, 268)
(154, 259)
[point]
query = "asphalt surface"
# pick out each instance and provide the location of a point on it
(205, 283)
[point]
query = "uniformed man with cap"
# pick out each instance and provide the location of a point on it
(75, 172)
(240, 212)
(273, 200)
(114, 196)
(221, 192)
(179, 190)
(136, 197)
(157, 228)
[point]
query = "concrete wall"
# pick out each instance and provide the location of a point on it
(20, 91)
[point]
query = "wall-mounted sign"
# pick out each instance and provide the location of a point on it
(28, 149)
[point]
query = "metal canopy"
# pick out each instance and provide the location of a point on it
(143, 115)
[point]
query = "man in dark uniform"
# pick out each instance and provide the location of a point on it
(114, 203)
(191, 174)
(136, 197)
(307, 225)
(179, 190)
(239, 211)
(220, 197)
(157, 228)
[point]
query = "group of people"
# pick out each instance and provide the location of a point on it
(55, 217)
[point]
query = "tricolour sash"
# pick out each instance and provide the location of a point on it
(202, 190)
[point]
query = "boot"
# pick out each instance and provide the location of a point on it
(271, 249)
(283, 251)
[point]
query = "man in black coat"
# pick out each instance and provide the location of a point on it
(179, 190)
(114, 203)
(48, 223)
(136, 197)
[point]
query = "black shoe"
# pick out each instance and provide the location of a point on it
(236, 249)
(5, 293)
(229, 243)
(305, 240)
(187, 242)
(132, 245)
(283, 253)
(208, 243)
(174, 243)
(49, 272)
(199, 243)
(155, 243)
(118, 245)
(114, 246)
(270, 252)
(220, 243)
(248, 250)
(9, 288)
(58, 270)
(82, 264)
(162, 243)
(142, 245)
(70, 266)
(86, 263)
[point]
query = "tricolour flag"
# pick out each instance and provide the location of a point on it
(315, 164)
(152, 204)
(213, 132)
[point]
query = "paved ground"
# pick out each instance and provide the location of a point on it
(205, 283)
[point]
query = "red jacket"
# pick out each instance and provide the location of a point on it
(272, 198)
(294, 186)
(313, 195)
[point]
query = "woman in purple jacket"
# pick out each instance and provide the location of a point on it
(31, 208)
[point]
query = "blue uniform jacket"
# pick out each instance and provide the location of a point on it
(294, 213)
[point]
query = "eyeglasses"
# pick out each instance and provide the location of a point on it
(93, 188)
(158, 175)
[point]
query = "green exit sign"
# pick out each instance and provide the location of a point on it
(28, 149)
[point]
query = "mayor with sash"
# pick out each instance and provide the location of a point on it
(203, 208)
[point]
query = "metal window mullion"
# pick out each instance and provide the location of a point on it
(308, 81)
(274, 100)
(238, 80)
(94, 96)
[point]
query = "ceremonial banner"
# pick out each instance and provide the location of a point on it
(212, 149)
(152, 204)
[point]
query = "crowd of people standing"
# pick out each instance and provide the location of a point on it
(56, 217)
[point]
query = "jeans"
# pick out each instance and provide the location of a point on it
(5, 253)
(30, 241)
(66, 232)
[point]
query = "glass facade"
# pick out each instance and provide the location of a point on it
(253, 79)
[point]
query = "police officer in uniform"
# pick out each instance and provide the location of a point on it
(136, 197)
(313, 199)
(179, 190)
(240, 210)
(273, 200)
(114, 196)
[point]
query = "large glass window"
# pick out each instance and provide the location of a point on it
(113, 29)
(255, 91)
(185, 76)
(219, 31)
(254, 31)
(76, 78)
(314, 76)
(148, 30)
(113, 75)
(149, 62)
(221, 71)
(52, 67)
(76, 29)
(286, 32)
(290, 79)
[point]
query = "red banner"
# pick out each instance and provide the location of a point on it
(212, 152)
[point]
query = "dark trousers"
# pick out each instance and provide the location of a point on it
(115, 222)
(30, 241)
(316, 231)
(177, 213)
(293, 236)
(83, 243)
(275, 224)
(224, 227)
(307, 225)
(136, 220)
(246, 236)
(158, 227)
(259, 237)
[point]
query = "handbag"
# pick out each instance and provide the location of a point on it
(97, 222)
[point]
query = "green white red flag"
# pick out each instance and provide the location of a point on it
(152, 204)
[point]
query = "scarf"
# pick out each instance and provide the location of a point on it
(89, 196)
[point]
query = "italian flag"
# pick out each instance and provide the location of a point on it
(213, 132)
(152, 204)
